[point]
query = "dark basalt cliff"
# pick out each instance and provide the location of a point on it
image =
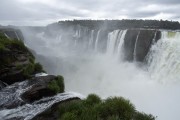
(138, 42)
(16, 62)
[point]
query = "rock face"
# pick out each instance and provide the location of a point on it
(53, 112)
(144, 42)
(12, 33)
(16, 62)
(39, 89)
(129, 44)
(31, 90)
(2, 85)
(138, 42)
(30, 98)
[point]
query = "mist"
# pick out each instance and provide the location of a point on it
(89, 71)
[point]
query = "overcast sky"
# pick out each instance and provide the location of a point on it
(43, 12)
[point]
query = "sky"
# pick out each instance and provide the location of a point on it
(43, 12)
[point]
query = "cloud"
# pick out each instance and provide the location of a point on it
(42, 12)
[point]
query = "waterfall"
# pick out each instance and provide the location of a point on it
(91, 39)
(115, 42)
(97, 39)
(7, 36)
(134, 53)
(17, 36)
(154, 39)
(164, 57)
(76, 36)
(121, 41)
(112, 37)
(59, 38)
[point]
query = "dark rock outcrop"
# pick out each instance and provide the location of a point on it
(29, 91)
(53, 112)
(39, 89)
(12, 33)
(16, 62)
(144, 42)
(138, 42)
(129, 44)
(2, 85)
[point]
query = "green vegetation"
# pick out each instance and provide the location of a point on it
(28, 70)
(57, 85)
(14, 53)
(38, 68)
(171, 34)
(121, 24)
(93, 108)
(12, 44)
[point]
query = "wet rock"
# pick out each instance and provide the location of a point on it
(16, 62)
(144, 43)
(129, 44)
(39, 89)
(27, 91)
(137, 43)
(52, 112)
(2, 85)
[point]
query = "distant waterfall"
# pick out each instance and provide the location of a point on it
(97, 39)
(134, 53)
(91, 39)
(59, 38)
(164, 57)
(6, 35)
(17, 35)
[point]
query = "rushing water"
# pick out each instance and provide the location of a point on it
(26, 111)
(153, 88)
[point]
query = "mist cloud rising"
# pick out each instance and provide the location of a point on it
(33, 12)
(106, 76)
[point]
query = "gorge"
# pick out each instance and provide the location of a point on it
(141, 64)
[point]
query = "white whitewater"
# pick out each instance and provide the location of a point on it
(164, 58)
(28, 111)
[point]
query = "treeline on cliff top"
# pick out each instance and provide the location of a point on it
(124, 24)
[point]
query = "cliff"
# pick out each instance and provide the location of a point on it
(16, 62)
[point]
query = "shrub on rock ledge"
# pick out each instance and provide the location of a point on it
(57, 85)
(17, 63)
(93, 108)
